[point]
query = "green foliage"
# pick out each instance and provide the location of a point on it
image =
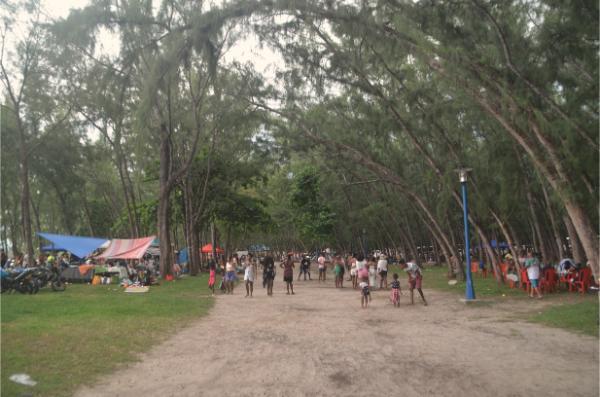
(64, 340)
(313, 218)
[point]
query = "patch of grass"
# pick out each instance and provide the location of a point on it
(436, 277)
(581, 316)
(65, 339)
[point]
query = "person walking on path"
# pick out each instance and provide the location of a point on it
(249, 274)
(395, 294)
(322, 268)
(382, 269)
(415, 279)
(288, 273)
(269, 274)
(532, 264)
(230, 275)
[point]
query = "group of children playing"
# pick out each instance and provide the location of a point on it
(362, 275)
(415, 279)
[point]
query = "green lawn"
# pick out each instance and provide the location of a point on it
(570, 311)
(580, 317)
(65, 339)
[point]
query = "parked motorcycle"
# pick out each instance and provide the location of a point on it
(49, 275)
(22, 281)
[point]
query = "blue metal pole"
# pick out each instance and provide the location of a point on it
(470, 292)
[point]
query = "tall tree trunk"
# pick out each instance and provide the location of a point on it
(194, 252)
(190, 229)
(25, 197)
(14, 235)
(163, 221)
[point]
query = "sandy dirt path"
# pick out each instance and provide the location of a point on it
(320, 343)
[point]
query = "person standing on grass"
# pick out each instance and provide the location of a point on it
(288, 273)
(322, 268)
(532, 264)
(365, 294)
(249, 273)
(269, 274)
(395, 294)
(415, 279)
(382, 269)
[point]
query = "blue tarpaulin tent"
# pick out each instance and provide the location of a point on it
(77, 245)
(183, 256)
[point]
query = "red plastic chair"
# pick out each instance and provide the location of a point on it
(582, 282)
(548, 283)
(525, 283)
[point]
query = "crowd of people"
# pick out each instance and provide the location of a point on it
(365, 274)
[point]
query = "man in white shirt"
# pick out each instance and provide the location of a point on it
(382, 269)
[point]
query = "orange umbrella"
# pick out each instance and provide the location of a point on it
(208, 248)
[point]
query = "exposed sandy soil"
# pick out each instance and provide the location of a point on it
(319, 342)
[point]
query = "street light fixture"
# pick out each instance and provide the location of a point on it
(462, 174)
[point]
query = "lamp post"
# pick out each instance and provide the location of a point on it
(470, 292)
(364, 240)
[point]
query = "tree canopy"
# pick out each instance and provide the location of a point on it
(355, 145)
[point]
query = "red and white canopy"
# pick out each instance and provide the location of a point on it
(127, 248)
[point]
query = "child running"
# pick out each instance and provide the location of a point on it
(365, 295)
(395, 294)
